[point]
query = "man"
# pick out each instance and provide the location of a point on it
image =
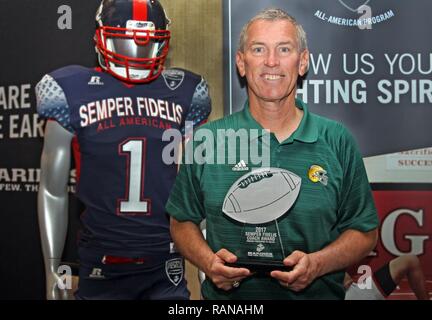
(117, 114)
(385, 279)
(333, 222)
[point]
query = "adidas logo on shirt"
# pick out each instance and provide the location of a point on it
(241, 166)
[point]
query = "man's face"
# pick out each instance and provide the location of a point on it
(271, 60)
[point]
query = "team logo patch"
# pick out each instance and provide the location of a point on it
(173, 78)
(353, 5)
(318, 174)
(174, 270)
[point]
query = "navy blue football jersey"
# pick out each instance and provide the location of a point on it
(124, 182)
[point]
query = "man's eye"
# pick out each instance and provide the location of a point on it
(258, 50)
(284, 49)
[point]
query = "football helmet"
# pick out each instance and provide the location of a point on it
(318, 174)
(132, 39)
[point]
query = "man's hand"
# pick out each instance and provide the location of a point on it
(53, 292)
(305, 270)
(224, 277)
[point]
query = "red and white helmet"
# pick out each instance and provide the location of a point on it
(132, 39)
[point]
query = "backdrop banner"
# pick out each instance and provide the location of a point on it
(370, 66)
(37, 38)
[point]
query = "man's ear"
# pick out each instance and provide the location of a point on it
(240, 63)
(304, 62)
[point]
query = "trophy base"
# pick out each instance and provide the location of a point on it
(260, 266)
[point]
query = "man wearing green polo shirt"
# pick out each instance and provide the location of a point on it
(333, 222)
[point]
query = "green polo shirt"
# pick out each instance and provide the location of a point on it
(322, 211)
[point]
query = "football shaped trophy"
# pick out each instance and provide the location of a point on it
(257, 200)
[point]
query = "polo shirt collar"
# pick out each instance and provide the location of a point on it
(306, 132)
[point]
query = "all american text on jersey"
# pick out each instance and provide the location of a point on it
(105, 109)
(133, 121)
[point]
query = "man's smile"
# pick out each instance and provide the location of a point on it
(272, 77)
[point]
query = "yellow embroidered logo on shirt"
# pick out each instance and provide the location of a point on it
(317, 174)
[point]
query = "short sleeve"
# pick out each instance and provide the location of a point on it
(357, 208)
(52, 102)
(200, 107)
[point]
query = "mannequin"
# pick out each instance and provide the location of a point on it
(53, 203)
(118, 113)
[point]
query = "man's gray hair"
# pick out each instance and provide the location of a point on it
(273, 14)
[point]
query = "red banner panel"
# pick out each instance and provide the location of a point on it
(405, 229)
(405, 226)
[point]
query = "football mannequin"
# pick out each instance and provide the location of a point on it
(117, 114)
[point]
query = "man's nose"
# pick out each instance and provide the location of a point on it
(272, 59)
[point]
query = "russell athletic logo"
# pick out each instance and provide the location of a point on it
(95, 81)
(362, 14)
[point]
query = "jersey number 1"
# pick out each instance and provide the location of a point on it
(134, 202)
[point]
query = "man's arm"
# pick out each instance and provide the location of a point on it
(356, 211)
(349, 248)
(191, 243)
(53, 202)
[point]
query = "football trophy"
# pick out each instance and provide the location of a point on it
(257, 200)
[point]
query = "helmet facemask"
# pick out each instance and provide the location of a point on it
(134, 54)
